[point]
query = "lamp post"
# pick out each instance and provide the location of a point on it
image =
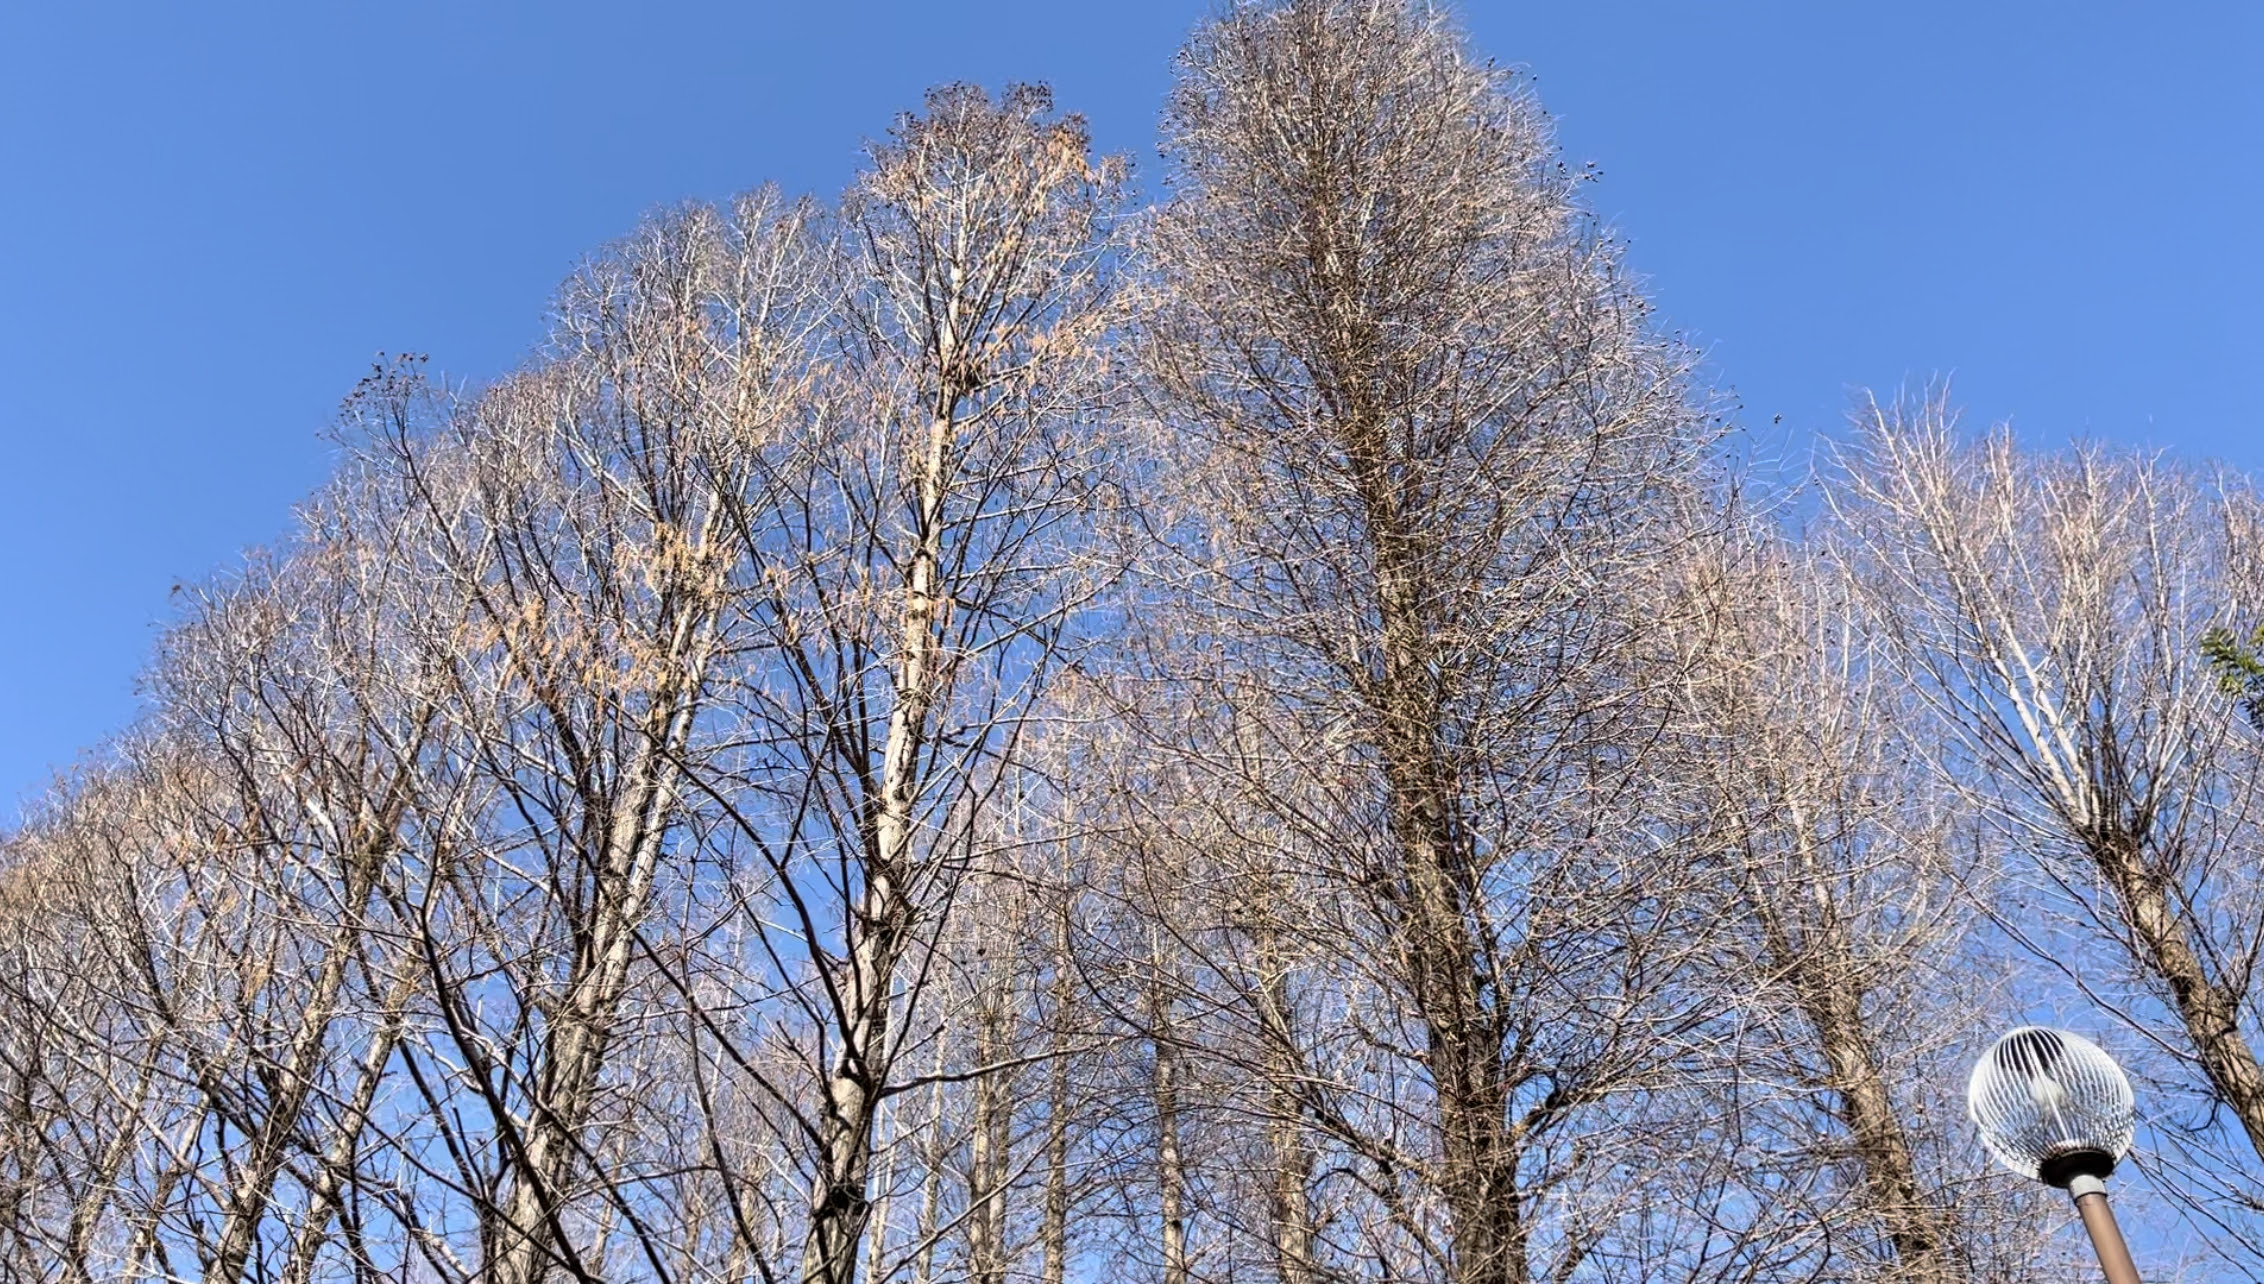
(2058, 1110)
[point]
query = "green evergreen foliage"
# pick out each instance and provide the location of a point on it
(2239, 666)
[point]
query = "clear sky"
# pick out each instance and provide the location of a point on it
(212, 217)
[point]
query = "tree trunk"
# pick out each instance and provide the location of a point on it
(326, 1197)
(1820, 962)
(295, 1078)
(883, 917)
(1882, 1146)
(876, 1230)
(582, 1026)
(1435, 890)
(930, 1228)
(2210, 1014)
(988, 1160)
(87, 1212)
(852, 1093)
(1171, 1169)
(1054, 1228)
(1290, 1209)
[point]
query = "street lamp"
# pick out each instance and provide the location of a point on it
(2056, 1109)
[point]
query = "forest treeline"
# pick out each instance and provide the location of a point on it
(984, 732)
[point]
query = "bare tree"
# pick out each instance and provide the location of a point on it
(914, 552)
(577, 512)
(1433, 473)
(1859, 972)
(219, 890)
(2052, 608)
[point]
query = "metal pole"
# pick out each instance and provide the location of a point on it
(2114, 1256)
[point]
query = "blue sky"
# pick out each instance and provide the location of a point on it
(213, 217)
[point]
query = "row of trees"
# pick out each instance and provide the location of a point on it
(978, 733)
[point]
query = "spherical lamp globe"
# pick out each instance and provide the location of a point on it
(2051, 1105)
